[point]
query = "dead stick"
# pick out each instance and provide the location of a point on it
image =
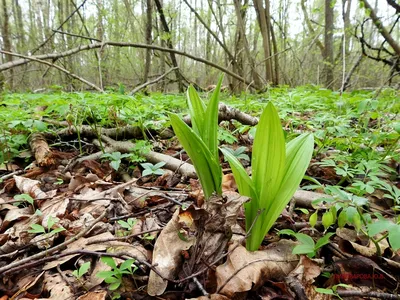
(54, 66)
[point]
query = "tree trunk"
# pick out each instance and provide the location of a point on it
(6, 36)
(328, 54)
(262, 18)
(169, 44)
(243, 43)
(382, 30)
(149, 26)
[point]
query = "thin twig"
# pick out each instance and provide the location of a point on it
(55, 66)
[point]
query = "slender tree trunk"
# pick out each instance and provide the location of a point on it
(149, 26)
(328, 55)
(5, 34)
(262, 14)
(19, 26)
(169, 43)
(240, 15)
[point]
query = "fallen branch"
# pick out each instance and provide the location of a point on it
(53, 56)
(142, 86)
(33, 58)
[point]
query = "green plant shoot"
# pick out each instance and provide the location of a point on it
(200, 142)
(277, 170)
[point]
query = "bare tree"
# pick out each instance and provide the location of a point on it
(5, 35)
(328, 53)
(169, 43)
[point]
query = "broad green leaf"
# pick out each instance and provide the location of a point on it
(127, 265)
(114, 286)
(324, 240)
(303, 249)
(105, 274)
(208, 170)
(245, 187)
(211, 121)
(109, 261)
(268, 166)
(325, 291)
(196, 110)
(327, 219)
(147, 172)
(305, 239)
(159, 165)
(268, 159)
(287, 231)
(84, 268)
(298, 156)
(313, 219)
(394, 237)
(115, 164)
(342, 219)
(36, 228)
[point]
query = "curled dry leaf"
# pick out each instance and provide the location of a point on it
(99, 295)
(303, 277)
(172, 240)
(350, 236)
(57, 287)
(29, 186)
(244, 270)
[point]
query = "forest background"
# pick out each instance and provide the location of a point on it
(106, 44)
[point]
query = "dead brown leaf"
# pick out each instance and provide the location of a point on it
(244, 270)
(167, 254)
(99, 295)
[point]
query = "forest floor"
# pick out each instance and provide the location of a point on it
(98, 200)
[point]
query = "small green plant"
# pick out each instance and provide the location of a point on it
(277, 170)
(333, 290)
(139, 150)
(114, 277)
(150, 169)
(307, 244)
(115, 159)
(24, 198)
(239, 153)
(83, 269)
(128, 224)
(200, 142)
(351, 211)
(226, 136)
(37, 228)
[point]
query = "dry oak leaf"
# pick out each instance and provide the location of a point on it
(57, 287)
(99, 295)
(244, 270)
(167, 254)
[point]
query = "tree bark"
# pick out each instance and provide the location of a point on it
(310, 27)
(328, 53)
(6, 36)
(169, 44)
(382, 30)
(240, 15)
(262, 18)
(149, 26)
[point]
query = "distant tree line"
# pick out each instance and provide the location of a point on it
(167, 45)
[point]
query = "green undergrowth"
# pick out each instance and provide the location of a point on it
(356, 133)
